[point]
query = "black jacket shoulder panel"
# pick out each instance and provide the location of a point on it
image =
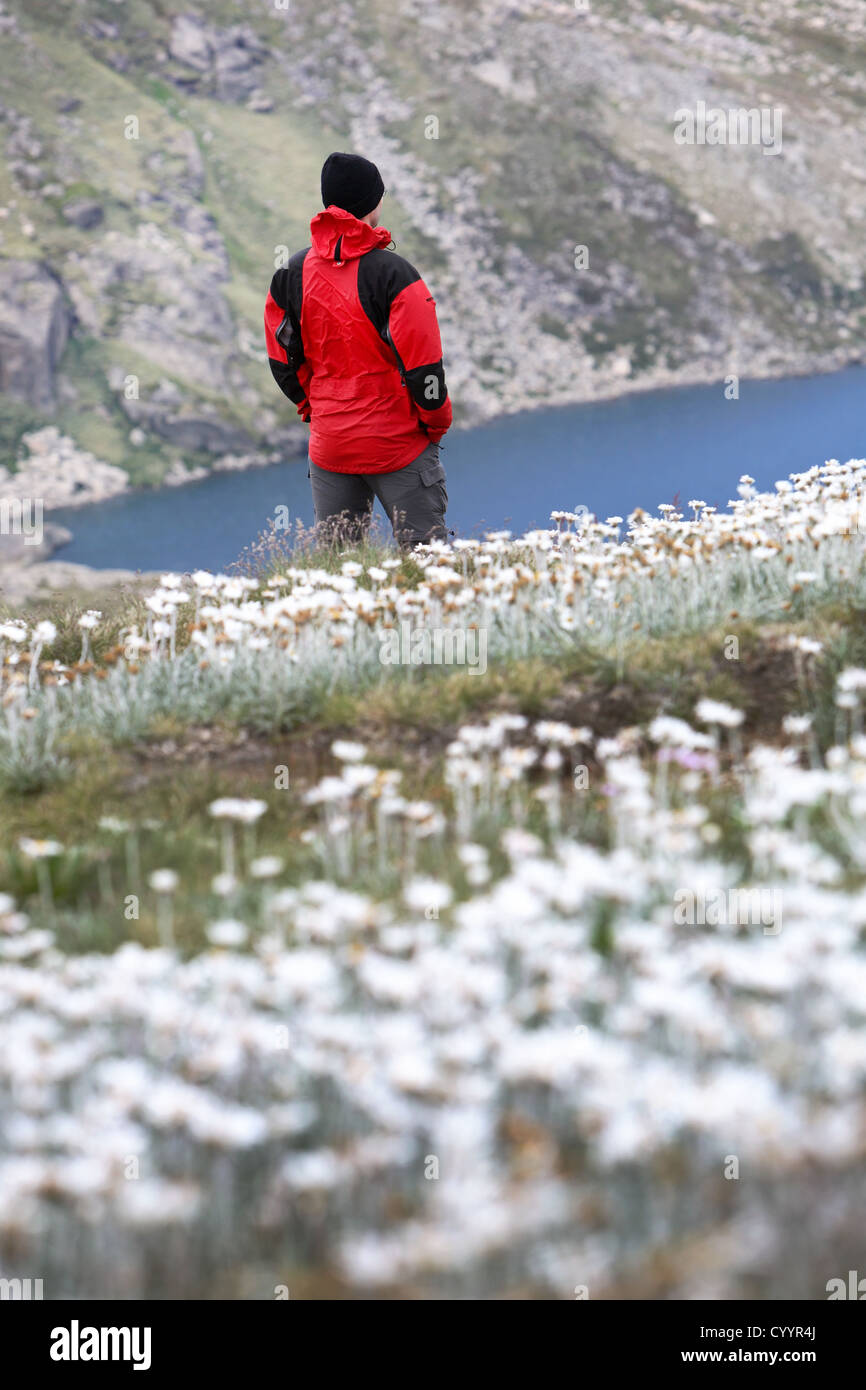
(381, 276)
(287, 290)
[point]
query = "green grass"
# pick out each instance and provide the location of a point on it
(16, 419)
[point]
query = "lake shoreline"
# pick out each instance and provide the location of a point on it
(646, 383)
(532, 421)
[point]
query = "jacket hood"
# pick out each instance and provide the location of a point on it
(339, 236)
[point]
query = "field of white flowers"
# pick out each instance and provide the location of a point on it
(537, 1009)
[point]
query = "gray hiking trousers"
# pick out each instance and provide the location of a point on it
(414, 499)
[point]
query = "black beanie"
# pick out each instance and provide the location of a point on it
(351, 182)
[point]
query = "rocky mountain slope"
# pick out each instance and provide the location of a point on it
(158, 156)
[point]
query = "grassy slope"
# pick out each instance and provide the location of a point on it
(257, 203)
(778, 258)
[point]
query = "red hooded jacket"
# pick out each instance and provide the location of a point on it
(353, 340)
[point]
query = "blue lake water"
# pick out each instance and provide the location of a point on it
(610, 457)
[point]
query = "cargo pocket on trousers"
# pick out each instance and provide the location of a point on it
(433, 473)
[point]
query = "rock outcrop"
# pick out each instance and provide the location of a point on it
(55, 472)
(224, 61)
(17, 549)
(34, 328)
(21, 584)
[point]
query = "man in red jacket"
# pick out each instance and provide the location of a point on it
(353, 340)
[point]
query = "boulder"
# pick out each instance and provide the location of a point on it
(190, 43)
(83, 213)
(237, 57)
(190, 430)
(27, 174)
(167, 393)
(226, 57)
(34, 328)
(204, 433)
